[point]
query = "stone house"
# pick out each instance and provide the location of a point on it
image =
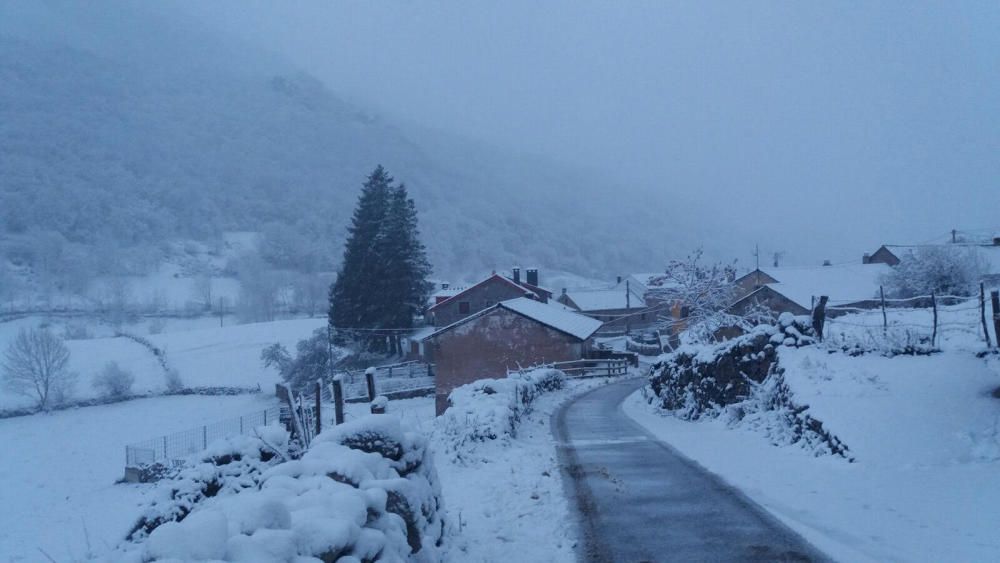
(509, 335)
(794, 289)
(485, 294)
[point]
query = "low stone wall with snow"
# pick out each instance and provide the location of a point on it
(742, 382)
(492, 409)
(363, 491)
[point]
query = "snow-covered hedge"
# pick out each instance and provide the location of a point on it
(227, 467)
(742, 382)
(888, 342)
(364, 491)
(491, 409)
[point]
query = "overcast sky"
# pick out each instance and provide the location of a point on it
(819, 128)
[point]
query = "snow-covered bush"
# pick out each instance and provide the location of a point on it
(889, 342)
(114, 382)
(491, 409)
(943, 270)
(311, 362)
(742, 382)
(227, 467)
(173, 380)
(364, 491)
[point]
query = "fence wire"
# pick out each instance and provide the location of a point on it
(179, 445)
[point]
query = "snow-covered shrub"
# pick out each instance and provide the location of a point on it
(173, 380)
(364, 491)
(114, 382)
(943, 270)
(311, 362)
(889, 342)
(742, 382)
(490, 409)
(76, 331)
(227, 467)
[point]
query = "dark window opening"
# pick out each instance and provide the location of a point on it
(463, 306)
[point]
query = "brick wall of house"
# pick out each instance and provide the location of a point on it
(490, 345)
(482, 296)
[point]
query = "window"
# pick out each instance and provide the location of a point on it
(463, 307)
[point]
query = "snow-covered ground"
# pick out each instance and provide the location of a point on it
(507, 499)
(924, 433)
(204, 356)
(59, 470)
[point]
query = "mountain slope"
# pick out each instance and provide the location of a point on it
(114, 151)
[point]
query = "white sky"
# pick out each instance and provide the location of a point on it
(817, 128)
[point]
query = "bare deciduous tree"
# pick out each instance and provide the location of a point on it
(701, 291)
(36, 364)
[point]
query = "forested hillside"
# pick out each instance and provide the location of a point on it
(105, 157)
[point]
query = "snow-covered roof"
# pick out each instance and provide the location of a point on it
(842, 283)
(554, 315)
(648, 281)
(525, 288)
(605, 299)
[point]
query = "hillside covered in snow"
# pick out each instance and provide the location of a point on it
(121, 133)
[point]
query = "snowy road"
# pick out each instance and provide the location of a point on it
(640, 501)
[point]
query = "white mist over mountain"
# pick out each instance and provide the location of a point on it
(584, 137)
(126, 127)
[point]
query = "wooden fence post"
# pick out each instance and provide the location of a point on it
(885, 318)
(338, 400)
(319, 398)
(370, 380)
(982, 312)
(934, 307)
(819, 316)
(995, 301)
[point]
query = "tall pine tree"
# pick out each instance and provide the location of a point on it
(382, 283)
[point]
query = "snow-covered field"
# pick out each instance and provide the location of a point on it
(924, 433)
(507, 499)
(59, 471)
(203, 356)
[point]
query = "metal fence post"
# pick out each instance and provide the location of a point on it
(265, 417)
(982, 312)
(164, 449)
(241, 425)
(204, 437)
(995, 303)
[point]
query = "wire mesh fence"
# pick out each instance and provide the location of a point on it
(179, 445)
(919, 319)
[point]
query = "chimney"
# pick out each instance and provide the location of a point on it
(531, 276)
(517, 275)
(826, 263)
(445, 285)
(996, 241)
(564, 291)
(954, 235)
(866, 259)
(619, 279)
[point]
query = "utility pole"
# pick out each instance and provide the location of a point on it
(756, 257)
(628, 303)
(222, 310)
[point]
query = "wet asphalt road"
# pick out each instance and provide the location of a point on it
(641, 501)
